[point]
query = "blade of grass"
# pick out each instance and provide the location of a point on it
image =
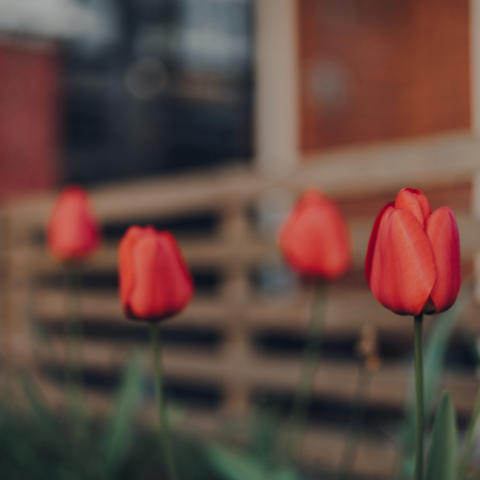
(264, 438)
(468, 447)
(121, 428)
(240, 466)
(42, 416)
(434, 359)
(443, 449)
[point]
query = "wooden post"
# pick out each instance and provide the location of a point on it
(475, 64)
(16, 299)
(276, 114)
(235, 293)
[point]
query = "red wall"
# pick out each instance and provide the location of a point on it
(375, 70)
(29, 133)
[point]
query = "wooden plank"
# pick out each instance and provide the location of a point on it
(152, 198)
(214, 253)
(418, 163)
(334, 379)
(347, 311)
(95, 306)
(245, 251)
(341, 173)
(276, 83)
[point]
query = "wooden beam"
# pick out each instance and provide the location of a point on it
(364, 170)
(348, 309)
(334, 379)
(276, 72)
(245, 249)
(475, 65)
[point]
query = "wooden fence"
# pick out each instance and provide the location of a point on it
(240, 341)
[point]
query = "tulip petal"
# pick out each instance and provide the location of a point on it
(315, 239)
(127, 274)
(72, 230)
(178, 276)
(373, 241)
(147, 297)
(125, 265)
(154, 280)
(415, 202)
(402, 268)
(442, 232)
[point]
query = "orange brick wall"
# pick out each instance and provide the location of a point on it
(29, 132)
(373, 70)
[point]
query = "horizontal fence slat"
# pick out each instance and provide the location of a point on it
(213, 253)
(248, 251)
(362, 170)
(347, 311)
(333, 379)
(50, 303)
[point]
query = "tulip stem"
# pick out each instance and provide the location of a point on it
(73, 334)
(161, 405)
(303, 392)
(419, 435)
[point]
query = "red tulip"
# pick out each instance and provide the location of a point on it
(413, 257)
(315, 240)
(72, 230)
(154, 280)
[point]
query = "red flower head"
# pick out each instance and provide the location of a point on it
(154, 280)
(413, 257)
(315, 240)
(72, 230)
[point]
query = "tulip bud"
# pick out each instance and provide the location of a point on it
(72, 230)
(413, 257)
(315, 240)
(154, 280)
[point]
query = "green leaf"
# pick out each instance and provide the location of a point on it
(469, 437)
(285, 474)
(434, 360)
(42, 416)
(443, 449)
(121, 426)
(240, 466)
(264, 436)
(235, 466)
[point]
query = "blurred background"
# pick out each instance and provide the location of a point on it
(209, 118)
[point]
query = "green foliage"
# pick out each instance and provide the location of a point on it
(443, 449)
(264, 436)
(242, 466)
(468, 446)
(40, 443)
(36, 442)
(120, 430)
(42, 418)
(434, 363)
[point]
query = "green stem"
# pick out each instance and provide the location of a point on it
(419, 435)
(303, 392)
(74, 367)
(73, 334)
(162, 411)
(351, 442)
(467, 449)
